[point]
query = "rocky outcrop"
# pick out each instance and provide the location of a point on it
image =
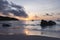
(6, 25)
(2, 18)
(50, 23)
(47, 23)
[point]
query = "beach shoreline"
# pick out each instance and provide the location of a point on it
(26, 37)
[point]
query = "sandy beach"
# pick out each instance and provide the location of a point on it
(25, 37)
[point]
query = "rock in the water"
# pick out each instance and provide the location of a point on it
(43, 23)
(50, 23)
(47, 23)
(6, 25)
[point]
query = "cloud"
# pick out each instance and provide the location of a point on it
(7, 8)
(49, 14)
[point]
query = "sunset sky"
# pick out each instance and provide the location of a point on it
(39, 7)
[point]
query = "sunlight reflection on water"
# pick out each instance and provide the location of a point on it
(42, 33)
(28, 32)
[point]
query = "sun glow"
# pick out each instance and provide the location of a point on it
(18, 17)
(26, 31)
(31, 17)
(13, 16)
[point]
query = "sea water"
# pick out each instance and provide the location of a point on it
(50, 31)
(30, 28)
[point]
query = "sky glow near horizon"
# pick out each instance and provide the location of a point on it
(39, 7)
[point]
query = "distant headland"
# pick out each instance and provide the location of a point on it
(3, 18)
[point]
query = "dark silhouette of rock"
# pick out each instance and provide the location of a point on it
(45, 23)
(2, 18)
(6, 25)
(32, 20)
(50, 23)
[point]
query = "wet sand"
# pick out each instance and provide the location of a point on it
(25, 37)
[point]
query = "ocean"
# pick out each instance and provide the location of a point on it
(50, 31)
(30, 28)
